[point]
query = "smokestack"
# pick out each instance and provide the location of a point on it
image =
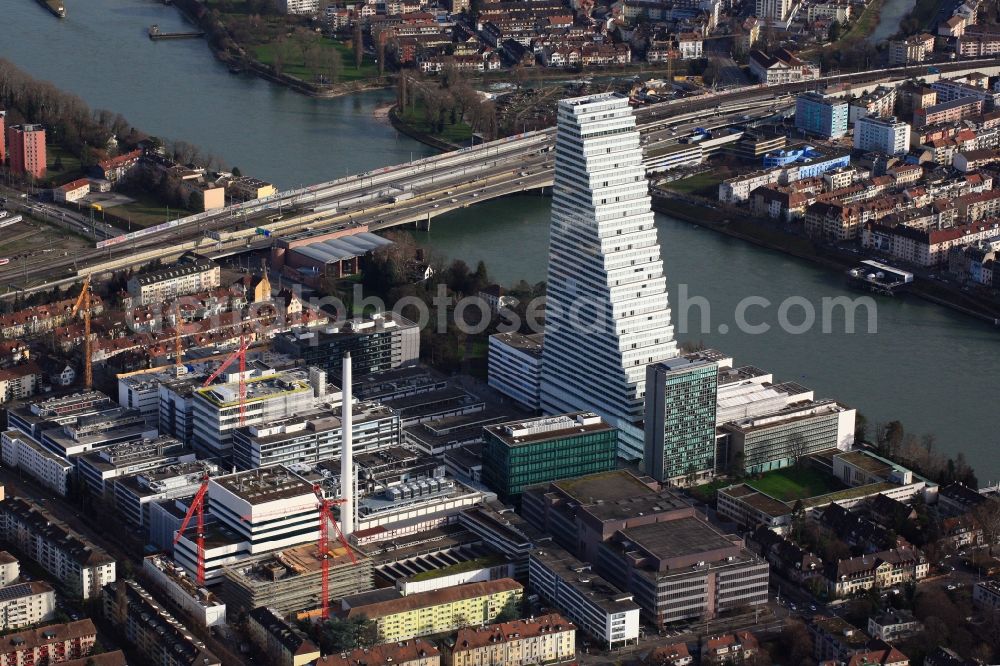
(347, 454)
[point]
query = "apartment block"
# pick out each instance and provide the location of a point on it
(156, 635)
(878, 570)
(26, 150)
(821, 115)
(52, 644)
(416, 652)
(79, 565)
(20, 381)
(946, 112)
(888, 136)
(546, 639)
(25, 604)
(24, 453)
(282, 643)
(400, 618)
(191, 275)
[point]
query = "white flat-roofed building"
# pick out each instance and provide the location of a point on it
(25, 604)
(176, 583)
(21, 452)
(257, 511)
(889, 136)
(270, 396)
(34, 415)
(747, 398)
(595, 605)
(603, 254)
(95, 431)
(515, 366)
(134, 493)
(98, 468)
(79, 565)
(314, 436)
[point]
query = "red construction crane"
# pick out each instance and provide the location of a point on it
(323, 545)
(241, 354)
(197, 508)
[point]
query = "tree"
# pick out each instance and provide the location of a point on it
(834, 33)
(359, 45)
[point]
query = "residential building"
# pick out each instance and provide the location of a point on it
(910, 50)
(893, 625)
(78, 564)
(822, 115)
(780, 439)
(783, 67)
(156, 635)
(877, 571)
(546, 639)
(416, 652)
(381, 342)
(24, 453)
(10, 569)
(775, 12)
(26, 150)
(594, 359)
(515, 367)
(51, 644)
(190, 276)
(682, 569)
(887, 656)
(681, 399)
(247, 189)
(946, 112)
(518, 454)
(836, 639)
(737, 189)
(977, 41)
(737, 648)
(880, 103)
(883, 135)
(72, 191)
(400, 618)
(283, 644)
(19, 382)
(608, 615)
(25, 604)
(951, 90)
(924, 248)
(298, 6)
(986, 595)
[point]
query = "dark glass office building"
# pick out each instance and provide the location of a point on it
(524, 453)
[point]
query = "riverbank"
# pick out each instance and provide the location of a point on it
(423, 137)
(763, 234)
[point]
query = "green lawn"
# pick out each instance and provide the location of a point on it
(415, 116)
(70, 166)
(795, 483)
(145, 211)
(706, 184)
(295, 60)
(706, 491)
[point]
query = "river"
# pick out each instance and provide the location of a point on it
(890, 16)
(932, 369)
(176, 89)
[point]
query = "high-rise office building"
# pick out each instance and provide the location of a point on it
(26, 145)
(607, 313)
(681, 397)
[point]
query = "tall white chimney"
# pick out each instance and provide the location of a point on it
(347, 454)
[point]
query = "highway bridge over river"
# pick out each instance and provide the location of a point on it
(418, 191)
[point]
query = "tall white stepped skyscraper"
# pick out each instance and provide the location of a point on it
(607, 313)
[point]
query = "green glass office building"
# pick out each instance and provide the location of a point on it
(525, 453)
(681, 397)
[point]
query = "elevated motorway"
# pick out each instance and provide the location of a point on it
(418, 190)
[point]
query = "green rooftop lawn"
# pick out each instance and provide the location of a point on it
(793, 483)
(461, 567)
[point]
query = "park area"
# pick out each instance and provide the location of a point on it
(795, 483)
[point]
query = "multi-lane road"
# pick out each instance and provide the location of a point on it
(416, 190)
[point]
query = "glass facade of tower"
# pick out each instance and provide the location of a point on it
(681, 402)
(518, 455)
(607, 313)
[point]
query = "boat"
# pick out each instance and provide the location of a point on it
(54, 6)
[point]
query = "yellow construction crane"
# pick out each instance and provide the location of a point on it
(83, 301)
